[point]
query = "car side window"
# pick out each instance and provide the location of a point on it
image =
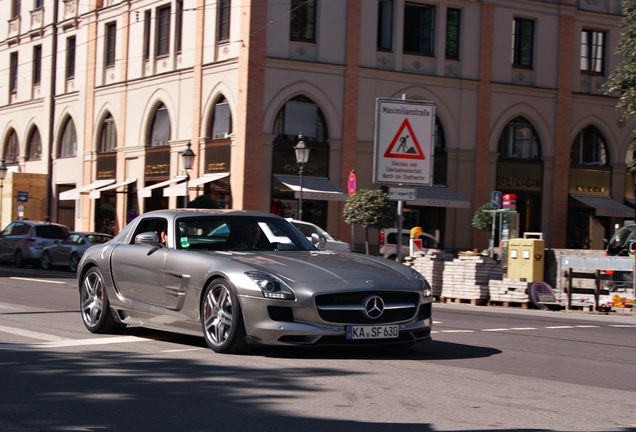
(69, 240)
(158, 225)
(8, 230)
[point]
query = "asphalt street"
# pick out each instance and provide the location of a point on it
(488, 368)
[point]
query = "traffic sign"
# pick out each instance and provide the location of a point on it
(495, 201)
(402, 194)
(351, 187)
(403, 147)
(23, 196)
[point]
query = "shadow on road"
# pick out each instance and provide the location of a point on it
(123, 391)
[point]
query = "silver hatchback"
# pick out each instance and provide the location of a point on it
(22, 241)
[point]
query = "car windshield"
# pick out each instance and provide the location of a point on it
(308, 230)
(235, 233)
(620, 241)
(50, 232)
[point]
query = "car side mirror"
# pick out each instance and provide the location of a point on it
(149, 238)
(318, 240)
(632, 247)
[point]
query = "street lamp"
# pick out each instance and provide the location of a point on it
(188, 160)
(302, 155)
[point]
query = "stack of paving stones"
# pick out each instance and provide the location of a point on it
(430, 264)
(509, 290)
(468, 278)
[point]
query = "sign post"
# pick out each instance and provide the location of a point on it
(403, 147)
(495, 203)
(351, 187)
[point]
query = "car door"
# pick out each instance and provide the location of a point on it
(61, 253)
(5, 243)
(139, 270)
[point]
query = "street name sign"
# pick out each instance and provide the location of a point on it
(402, 194)
(403, 147)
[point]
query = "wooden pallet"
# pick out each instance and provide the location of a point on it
(512, 304)
(474, 302)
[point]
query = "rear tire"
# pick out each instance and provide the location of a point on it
(222, 319)
(47, 262)
(94, 305)
(19, 259)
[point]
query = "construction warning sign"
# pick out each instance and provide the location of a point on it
(404, 132)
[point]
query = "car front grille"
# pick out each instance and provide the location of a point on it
(349, 308)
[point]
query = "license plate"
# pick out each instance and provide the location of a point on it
(372, 332)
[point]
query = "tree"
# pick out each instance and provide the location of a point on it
(483, 220)
(203, 202)
(371, 209)
(622, 80)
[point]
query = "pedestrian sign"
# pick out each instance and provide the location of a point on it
(495, 201)
(403, 147)
(405, 150)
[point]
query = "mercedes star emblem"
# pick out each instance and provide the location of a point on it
(373, 307)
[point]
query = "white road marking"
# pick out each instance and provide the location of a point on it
(523, 328)
(587, 326)
(559, 327)
(181, 350)
(457, 331)
(499, 329)
(37, 280)
(73, 343)
(31, 334)
(622, 325)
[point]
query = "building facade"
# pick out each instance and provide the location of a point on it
(104, 96)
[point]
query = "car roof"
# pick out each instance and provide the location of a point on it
(37, 223)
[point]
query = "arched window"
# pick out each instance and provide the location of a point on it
(221, 124)
(108, 137)
(589, 148)
(301, 115)
(34, 151)
(519, 140)
(68, 146)
(11, 149)
(160, 132)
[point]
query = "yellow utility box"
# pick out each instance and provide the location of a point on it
(526, 259)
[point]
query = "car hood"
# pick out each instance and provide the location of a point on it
(313, 266)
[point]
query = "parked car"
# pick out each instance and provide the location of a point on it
(307, 228)
(23, 241)
(388, 242)
(225, 275)
(69, 252)
(619, 245)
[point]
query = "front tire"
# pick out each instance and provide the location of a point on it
(94, 305)
(47, 263)
(221, 318)
(73, 262)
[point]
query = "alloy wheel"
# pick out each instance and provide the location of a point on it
(217, 314)
(92, 298)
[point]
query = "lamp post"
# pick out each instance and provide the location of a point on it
(302, 155)
(3, 175)
(188, 160)
(634, 184)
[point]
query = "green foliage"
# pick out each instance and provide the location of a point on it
(203, 202)
(483, 220)
(622, 80)
(106, 211)
(371, 209)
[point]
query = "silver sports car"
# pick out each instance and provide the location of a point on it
(245, 277)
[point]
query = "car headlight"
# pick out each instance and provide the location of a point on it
(271, 286)
(426, 292)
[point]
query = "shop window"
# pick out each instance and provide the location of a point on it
(224, 9)
(68, 145)
(160, 131)
(419, 27)
(11, 149)
(522, 42)
(385, 24)
(108, 137)
(303, 20)
(34, 147)
(519, 140)
(589, 148)
(221, 124)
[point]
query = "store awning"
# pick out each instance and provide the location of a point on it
(439, 196)
(314, 188)
(95, 194)
(605, 206)
(147, 191)
(179, 190)
(74, 194)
